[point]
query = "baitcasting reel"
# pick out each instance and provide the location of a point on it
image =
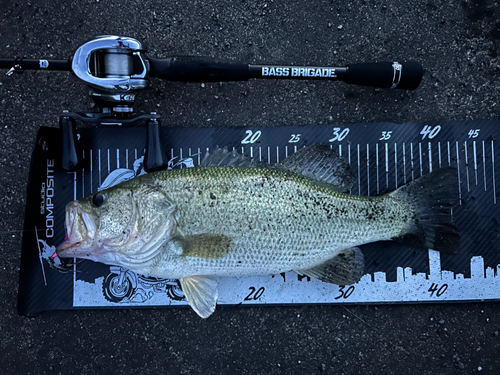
(114, 68)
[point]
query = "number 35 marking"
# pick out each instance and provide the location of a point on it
(385, 136)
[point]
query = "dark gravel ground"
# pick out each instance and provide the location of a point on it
(458, 43)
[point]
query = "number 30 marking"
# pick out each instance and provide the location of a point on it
(339, 136)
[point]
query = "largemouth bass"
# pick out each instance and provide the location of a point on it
(232, 217)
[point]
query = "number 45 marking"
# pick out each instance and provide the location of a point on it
(473, 133)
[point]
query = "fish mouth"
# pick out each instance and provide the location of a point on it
(80, 229)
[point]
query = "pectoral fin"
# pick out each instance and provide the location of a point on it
(201, 293)
(204, 245)
(345, 268)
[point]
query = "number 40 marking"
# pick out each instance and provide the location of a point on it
(439, 290)
(429, 131)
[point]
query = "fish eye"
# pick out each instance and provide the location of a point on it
(98, 199)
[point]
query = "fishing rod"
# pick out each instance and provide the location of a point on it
(116, 68)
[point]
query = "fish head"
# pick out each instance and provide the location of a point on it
(118, 226)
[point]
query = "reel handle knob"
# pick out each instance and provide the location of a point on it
(154, 159)
(69, 160)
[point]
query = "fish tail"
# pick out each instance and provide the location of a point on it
(430, 199)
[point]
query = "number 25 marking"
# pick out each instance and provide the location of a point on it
(295, 138)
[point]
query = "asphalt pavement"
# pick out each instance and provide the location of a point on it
(457, 42)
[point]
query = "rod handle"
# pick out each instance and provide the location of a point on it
(405, 76)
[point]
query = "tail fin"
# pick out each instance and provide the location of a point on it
(431, 198)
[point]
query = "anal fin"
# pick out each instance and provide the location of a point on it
(201, 293)
(345, 268)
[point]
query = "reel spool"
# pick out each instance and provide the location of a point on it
(118, 63)
(114, 68)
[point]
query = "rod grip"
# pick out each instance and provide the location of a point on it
(405, 76)
(198, 69)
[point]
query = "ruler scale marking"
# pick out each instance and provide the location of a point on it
(404, 163)
(378, 180)
(368, 168)
(475, 159)
(420, 158)
(484, 166)
(91, 172)
(386, 165)
(99, 159)
(429, 150)
(439, 154)
(458, 173)
(493, 171)
(83, 175)
(411, 159)
(359, 173)
(466, 166)
(396, 164)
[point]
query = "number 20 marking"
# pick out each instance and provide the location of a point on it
(251, 137)
(254, 295)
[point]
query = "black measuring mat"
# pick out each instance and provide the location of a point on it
(383, 156)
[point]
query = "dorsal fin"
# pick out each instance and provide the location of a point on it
(321, 163)
(222, 157)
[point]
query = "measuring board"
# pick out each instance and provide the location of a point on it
(383, 156)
